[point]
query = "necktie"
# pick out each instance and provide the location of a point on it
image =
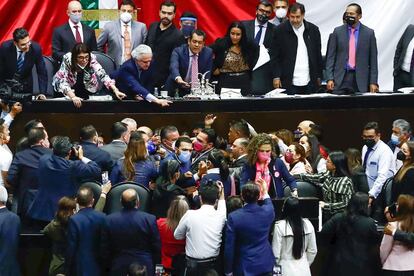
(194, 70)
(77, 34)
(352, 50)
(258, 35)
(366, 157)
(127, 44)
(20, 61)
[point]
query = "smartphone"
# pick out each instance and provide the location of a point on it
(159, 270)
(105, 177)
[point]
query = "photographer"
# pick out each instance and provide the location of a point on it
(59, 176)
(17, 58)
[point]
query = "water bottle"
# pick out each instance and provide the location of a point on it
(156, 94)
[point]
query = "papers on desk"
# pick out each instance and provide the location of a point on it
(276, 93)
(103, 98)
(264, 57)
(230, 93)
(406, 90)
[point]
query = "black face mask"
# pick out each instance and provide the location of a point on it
(262, 18)
(369, 142)
(401, 156)
(350, 20)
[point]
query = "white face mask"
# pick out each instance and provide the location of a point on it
(280, 13)
(126, 17)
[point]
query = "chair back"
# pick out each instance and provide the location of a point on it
(113, 202)
(306, 189)
(107, 63)
(50, 69)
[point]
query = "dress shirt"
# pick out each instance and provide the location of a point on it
(6, 157)
(80, 29)
(18, 51)
(256, 29)
(202, 230)
(122, 35)
(188, 75)
(8, 119)
(380, 166)
(301, 75)
(406, 65)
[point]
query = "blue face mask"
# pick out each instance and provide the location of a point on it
(184, 156)
(152, 149)
(187, 29)
(395, 140)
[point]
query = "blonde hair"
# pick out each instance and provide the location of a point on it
(136, 151)
(178, 207)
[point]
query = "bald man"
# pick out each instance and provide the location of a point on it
(131, 236)
(68, 35)
(305, 126)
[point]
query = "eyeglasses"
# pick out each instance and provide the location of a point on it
(83, 57)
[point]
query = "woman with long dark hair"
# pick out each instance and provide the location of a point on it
(135, 165)
(313, 153)
(396, 257)
(354, 238)
(358, 176)
(235, 57)
(294, 241)
(79, 76)
(336, 184)
(403, 182)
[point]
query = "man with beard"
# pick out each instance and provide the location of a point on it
(163, 37)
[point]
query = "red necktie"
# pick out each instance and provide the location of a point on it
(194, 71)
(77, 36)
(352, 50)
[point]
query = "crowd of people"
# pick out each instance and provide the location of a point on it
(210, 198)
(254, 56)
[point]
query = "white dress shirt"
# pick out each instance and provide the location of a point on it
(379, 167)
(406, 66)
(256, 30)
(202, 230)
(80, 29)
(6, 157)
(301, 75)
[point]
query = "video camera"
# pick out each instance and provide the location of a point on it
(12, 91)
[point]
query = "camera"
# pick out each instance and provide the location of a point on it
(74, 151)
(12, 91)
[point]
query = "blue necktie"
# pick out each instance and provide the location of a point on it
(258, 35)
(20, 62)
(366, 157)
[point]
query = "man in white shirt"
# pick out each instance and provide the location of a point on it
(378, 160)
(404, 60)
(202, 230)
(401, 133)
(296, 54)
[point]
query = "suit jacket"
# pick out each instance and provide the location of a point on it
(84, 242)
(112, 37)
(116, 149)
(270, 32)
(132, 236)
(284, 51)
(401, 50)
(9, 240)
(34, 57)
(101, 157)
(63, 40)
(180, 62)
(131, 83)
(23, 177)
(162, 44)
(58, 177)
(247, 248)
(366, 69)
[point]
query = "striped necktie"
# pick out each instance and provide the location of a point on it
(20, 61)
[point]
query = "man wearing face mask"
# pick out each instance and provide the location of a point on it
(262, 32)
(163, 37)
(188, 23)
(296, 54)
(204, 143)
(378, 160)
(123, 35)
(401, 133)
(66, 36)
(281, 10)
(352, 56)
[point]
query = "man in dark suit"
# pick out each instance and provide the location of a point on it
(9, 238)
(239, 155)
(163, 37)
(244, 255)
(132, 236)
(120, 139)
(17, 58)
(22, 175)
(404, 60)
(84, 237)
(352, 61)
(262, 31)
(182, 74)
(135, 77)
(58, 176)
(66, 36)
(296, 54)
(89, 142)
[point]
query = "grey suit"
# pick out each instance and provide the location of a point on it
(116, 149)
(402, 78)
(366, 69)
(112, 35)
